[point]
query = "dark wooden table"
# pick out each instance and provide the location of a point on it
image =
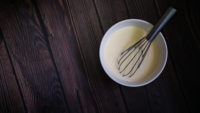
(49, 57)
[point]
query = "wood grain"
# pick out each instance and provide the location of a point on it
(111, 11)
(49, 57)
(10, 98)
(31, 59)
(183, 30)
(61, 36)
(89, 34)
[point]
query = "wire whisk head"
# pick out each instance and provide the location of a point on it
(131, 59)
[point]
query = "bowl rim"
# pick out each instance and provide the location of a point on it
(104, 64)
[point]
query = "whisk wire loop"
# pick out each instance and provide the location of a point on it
(139, 48)
(143, 56)
(143, 49)
(127, 50)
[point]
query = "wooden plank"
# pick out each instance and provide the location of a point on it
(31, 58)
(62, 39)
(111, 12)
(10, 97)
(165, 93)
(182, 34)
(89, 34)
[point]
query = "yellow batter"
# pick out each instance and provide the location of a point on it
(122, 39)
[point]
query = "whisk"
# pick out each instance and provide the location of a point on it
(131, 59)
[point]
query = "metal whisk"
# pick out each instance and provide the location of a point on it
(132, 58)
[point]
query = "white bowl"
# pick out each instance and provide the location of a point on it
(162, 50)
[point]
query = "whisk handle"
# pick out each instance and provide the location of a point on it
(160, 24)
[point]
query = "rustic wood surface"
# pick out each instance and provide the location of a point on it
(49, 57)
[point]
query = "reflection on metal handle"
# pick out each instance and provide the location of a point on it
(160, 24)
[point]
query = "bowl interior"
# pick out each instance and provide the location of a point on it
(162, 50)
